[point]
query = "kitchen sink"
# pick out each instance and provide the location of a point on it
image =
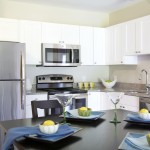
(138, 92)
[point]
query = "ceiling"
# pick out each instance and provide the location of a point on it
(106, 6)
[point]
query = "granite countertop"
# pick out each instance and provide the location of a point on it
(127, 88)
(131, 89)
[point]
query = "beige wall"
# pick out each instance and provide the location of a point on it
(41, 12)
(130, 74)
(138, 10)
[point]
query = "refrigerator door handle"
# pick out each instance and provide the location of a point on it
(22, 66)
(22, 75)
(22, 94)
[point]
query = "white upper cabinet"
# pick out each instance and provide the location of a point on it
(70, 34)
(143, 35)
(86, 42)
(60, 33)
(9, 30)
(119, 38)
(116, 40)
(99, 46)
(31, 35)
(51, 33)
(109, 56)
(130, 43)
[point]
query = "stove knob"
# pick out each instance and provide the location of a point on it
(39, 78)
(71, 78)
(43, 78)
(67, 78)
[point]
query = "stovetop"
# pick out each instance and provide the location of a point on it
(65, 90)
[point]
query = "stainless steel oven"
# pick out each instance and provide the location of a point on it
(59, 83)
(60, 55)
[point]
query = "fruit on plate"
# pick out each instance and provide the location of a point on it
(49, 127)
(148, 138)
(83, 108)
(144, 114)
(143, 111)
(48, 123)
(84, 111)
(108, 81)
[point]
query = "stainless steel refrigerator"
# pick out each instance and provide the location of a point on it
(12, 80)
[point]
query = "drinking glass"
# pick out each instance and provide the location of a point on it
(115, 98)
(64, 100)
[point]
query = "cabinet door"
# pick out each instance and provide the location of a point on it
(109, 45)
(99, 46)
(119, 38)
(70, 34)
(130, 103)
(9, 30)
(31, 35)
(94, 101)
(115, 46)
(143, 35)
(106, 103)
(51, 33)
(86, 42)
(130, 41)
(30, 98)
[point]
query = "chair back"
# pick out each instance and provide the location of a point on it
(49, 106)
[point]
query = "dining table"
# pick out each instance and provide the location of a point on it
(97, 134)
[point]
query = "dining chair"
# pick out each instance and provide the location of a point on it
(49, 106)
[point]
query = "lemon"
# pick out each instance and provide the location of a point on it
(148, 138)
(48, 123)
(83, 108)
(144, 111)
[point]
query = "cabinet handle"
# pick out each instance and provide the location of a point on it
(138, 51)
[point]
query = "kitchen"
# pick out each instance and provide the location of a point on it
(10, 10)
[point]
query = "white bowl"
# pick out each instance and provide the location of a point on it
(109, 84)
(49, 129)
(145, 116)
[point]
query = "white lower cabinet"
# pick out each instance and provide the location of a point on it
(30, 98)
(94, 100)
(99, 101)
(130, 103)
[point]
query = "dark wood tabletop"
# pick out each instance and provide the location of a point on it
(95, 135)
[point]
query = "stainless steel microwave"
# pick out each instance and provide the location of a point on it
(60, 55)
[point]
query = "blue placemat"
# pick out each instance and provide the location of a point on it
(135, 117)
(15, 133)
(74, 114)
(54, 139)
(134, 141)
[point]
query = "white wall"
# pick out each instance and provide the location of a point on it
(81, 73)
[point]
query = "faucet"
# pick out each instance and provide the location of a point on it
(147, 85)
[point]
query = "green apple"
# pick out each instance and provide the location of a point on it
(108, 81)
